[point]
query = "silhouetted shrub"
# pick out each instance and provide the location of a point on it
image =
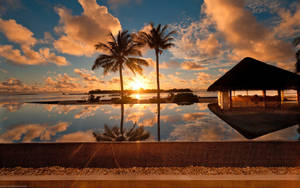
(185, 97)
(92, 98)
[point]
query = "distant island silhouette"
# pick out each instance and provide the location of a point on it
(98, 91)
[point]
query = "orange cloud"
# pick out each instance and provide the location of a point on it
(11, 106)
(260, 6)
(189, 65)
(80, 33)
(80, 136)
(28, 132)
(19, 34)
(169, 65)
(87, 76)
(31, 57)
(16, 32)
(87, 111)
(14, 85)
(203, 80)
(290, 22)
(196, 42)
(245, 34)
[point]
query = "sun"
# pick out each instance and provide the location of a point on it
(137, 84)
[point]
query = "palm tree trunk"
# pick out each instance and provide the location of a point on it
(158, 95)
(157, 75)
(122, 99)
(122, 118)
(158, 121)
(121, 82)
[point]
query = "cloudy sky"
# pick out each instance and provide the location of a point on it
(49, 45)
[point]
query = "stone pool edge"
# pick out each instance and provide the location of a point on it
(152, 154)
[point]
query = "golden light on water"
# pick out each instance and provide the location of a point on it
(137, 96)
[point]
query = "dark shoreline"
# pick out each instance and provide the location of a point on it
(144, 101)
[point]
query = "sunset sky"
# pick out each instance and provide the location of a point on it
(48, 45)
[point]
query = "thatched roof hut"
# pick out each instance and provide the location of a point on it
(251, 74)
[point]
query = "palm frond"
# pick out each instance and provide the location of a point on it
(173, 32)
(102, 46)
(167, 45)
(133, 50)
(163, 30)
(135, 64)
(108, 132)
(102, 60)
(129, 133)
(296, 41)
(133, 67)
(157, 38)
(114, 134)
(113, 37)
(139, 61)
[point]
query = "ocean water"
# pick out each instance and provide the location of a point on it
(28, 122)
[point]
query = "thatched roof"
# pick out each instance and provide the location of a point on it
(251, 74)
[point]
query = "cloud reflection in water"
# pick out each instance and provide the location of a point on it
(68, 123)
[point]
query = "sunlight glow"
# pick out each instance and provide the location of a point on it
(137, 84)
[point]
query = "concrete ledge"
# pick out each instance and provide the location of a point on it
(152, 181)
(151, 154)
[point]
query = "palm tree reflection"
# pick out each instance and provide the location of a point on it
(298, 131)
(158, 121)
(135, 133)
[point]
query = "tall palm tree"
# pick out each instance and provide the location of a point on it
(296, 42)
(121, 52)
(159, 40)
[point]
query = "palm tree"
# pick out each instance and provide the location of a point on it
(296, 42)
(159, 40)
(121, 51)
(116, 134)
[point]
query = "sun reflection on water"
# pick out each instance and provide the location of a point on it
(137, 96)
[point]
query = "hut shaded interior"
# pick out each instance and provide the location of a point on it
(251, 74)
(253, 122)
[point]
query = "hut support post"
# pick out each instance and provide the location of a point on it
(224, 99)
(264, 94)
(280, 95)
(298, 96)
(230, 99)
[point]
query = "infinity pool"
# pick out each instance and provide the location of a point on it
(27, 122)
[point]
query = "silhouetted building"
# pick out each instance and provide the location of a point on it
(251, 74)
